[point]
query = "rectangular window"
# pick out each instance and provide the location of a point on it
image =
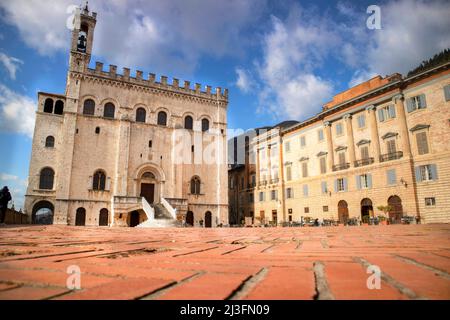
(364, 181)
(250, 197)
(422, 143)
(261, 196)
(320, 135)
(416, 102)
(305, 190)
(340, 184)
(287, 146)
(323, 165)
(339, 129)
(306, 209)
(324, 187)
(364, 152)
(304, 169)
(429, 202)
(391, 177)
(390, 145)
(361, 121)
(289, 193)
(288, 173)
(426, 172)
(302, 141)
(325, 208)
(273, 195)
(386, 113)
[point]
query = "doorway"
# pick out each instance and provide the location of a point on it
(396, 212)
(80, 217)
(103, 218)
(208, 220)
(190, 219)
(366, 210)
(42, 213)
(148, 192)
(134, 218)
(274, 217)
(343, 211)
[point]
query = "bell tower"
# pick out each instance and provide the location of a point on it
(82, 39)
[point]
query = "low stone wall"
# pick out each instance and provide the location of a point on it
(15, 217)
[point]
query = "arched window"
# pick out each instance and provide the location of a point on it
(109, 110)
(195, 185)
(162, 118)
(50, 142)
(140, 115)
(89, 107)
(48, 105)
(99, 180)
(205, 125)
(59, 107)
(46, 179)
(188, 123)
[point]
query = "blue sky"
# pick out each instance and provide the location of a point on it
(279, 59)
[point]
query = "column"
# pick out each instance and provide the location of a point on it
(258, 178)
(269, 164)
(351, 141)
(330, 157)
(400, 110)
(374, 132)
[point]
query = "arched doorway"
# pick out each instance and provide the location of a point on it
(366, 210)
(134, 219)
(343, 212)
(208, 219)
(103, 218)
(148, 182)
(190, 219)
(396, 212)
(42, 213)
(80, 217)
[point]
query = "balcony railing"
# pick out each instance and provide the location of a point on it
(391, 156)
(364, 162)
(274, 180)
(341, 166)
(251, 185)
(262, 183)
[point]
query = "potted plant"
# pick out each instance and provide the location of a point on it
(385, 209)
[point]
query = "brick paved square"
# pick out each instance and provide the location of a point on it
(225, 263)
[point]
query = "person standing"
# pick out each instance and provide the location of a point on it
(5, 197)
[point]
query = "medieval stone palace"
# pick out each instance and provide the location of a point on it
(118, 150)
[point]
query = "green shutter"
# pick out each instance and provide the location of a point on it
(418, 175)
(434, 175)
(447, 92)
(392, 111)
(380, 115)
(410, 106)
(423, 102)
(358, 182)
(345, 184)
(369, 181)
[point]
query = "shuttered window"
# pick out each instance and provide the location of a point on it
(391, 177)
(390, 144)
(304, 169)
(364, 152)
(416, 102)
(305, 190)
(447, 92)
(426, 173)
(288, 173)
(361, 121)
(320, 134)
(422, 142)
(339, 130)
(324, 187)
(323, 165)
(342, 158)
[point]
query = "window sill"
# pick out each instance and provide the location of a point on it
(45, 190)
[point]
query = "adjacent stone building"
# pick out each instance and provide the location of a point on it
(384, 142)
(115, 147)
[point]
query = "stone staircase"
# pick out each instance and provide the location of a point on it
(163, 219)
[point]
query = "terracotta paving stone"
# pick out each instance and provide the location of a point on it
(238, 263)
(276, 286)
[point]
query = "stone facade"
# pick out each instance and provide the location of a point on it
(381, 143)
(118, 139)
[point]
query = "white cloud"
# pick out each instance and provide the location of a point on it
(360, 76)
(11, 64)
(292, 51)
(8, 177)
(168, 34)
(17, 112)
(244, 80)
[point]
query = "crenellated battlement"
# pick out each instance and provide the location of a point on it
(163, 83)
